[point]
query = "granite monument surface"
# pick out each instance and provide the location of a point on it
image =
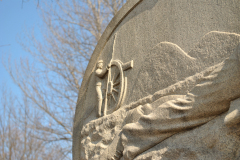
(163, 83)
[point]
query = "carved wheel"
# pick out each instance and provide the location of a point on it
(115, 87)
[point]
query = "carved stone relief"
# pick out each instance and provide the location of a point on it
(181, 98)
(136, 129)
(112, 94)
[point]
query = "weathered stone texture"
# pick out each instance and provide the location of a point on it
(181, 50)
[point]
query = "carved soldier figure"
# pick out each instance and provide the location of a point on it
(100, 73)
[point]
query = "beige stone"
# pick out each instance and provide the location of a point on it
(175, 46)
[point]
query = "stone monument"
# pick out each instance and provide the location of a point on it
(163, 83)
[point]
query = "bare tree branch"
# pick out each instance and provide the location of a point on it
(50, 83)
(4, 45)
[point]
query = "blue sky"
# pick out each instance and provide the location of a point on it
(15, 18)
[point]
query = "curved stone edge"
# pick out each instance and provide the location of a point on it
(181, 87)
(114, 23)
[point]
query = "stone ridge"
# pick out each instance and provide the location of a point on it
(98, 135)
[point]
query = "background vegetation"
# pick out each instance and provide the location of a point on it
(38, 125)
